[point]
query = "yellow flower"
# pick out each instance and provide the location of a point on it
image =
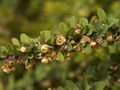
(23, 49)
(44, 48)
(60, 40)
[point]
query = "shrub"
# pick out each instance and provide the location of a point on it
(90, 49)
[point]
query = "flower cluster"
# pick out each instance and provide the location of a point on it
(8, 66)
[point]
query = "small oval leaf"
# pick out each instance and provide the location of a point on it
(60, 56)
(24, 39)
(101, 14)
(15, 42)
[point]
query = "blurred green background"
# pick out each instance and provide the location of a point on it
(32, 16)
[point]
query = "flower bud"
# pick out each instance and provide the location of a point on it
(8, 62)
(39, 55)
(68, 56)
(53, 54)
(77, 48)
(109, 38)
(99, 40)
(44, 48)
(77, 31)
(23, 49)
(19, 61)
(85, 39)
(60, 40)
(7, 69)
(28, 66)
(45, 60)
(64, 47)
(113, 68)
(92, 43)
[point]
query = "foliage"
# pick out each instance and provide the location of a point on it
(97, 41)
(90, 68)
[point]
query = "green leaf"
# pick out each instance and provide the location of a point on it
(112, 21)
(112, 48)
(3, 51)
(70, 32)
(91, 29)
(15, 42)
(2, 48)
(24, 39)
(101, 85)
(101, 14)
(10, 48)
(88, 49)
(83, 31)
(69, 46)
(69, 85)
(83, 21)
(60, 56)
(104, 43)
(104, 28)
(88, 87)
(63, 28)
(83, 85)
(45, 35)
